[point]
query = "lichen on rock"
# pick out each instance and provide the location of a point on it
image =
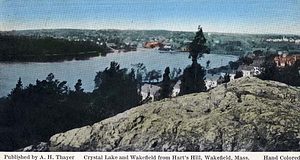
(247, 114)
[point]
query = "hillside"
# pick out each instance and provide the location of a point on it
(30, 48)
(247, 114)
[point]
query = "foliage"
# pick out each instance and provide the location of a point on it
(247, 60)
(153, 75)
(166, 88)
(115, 90)
(238, 74)
(26, 48)
(226, 78)
(241, 61)
(141, 71)
(37, 111)
(208, 64)
(193, 80)
(235, 65)
(33, 113)
(289, 75)
(198, 46)
(270, 70)
(175, 73)
(194, 75)
(78, 87)
(220, 80)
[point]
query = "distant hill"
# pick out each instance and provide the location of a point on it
(32, 48)
(219, 43)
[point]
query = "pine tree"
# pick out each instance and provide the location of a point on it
(193, 80)
(166, 89)
(238, 74)
(226, 78)
(198, 47)
(194, 75)
(19, 87)
(115, 90)
(270, 70)
(78, 85)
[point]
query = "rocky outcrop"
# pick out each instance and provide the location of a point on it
(40, 147)
(247, 114)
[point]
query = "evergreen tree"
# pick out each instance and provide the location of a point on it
(166, 89)
(247, 60)
(78, 85)
(238, 74)
(193, 80)
(289, 74)
(115, 90)
(207, 66)
(19, 87)
(153, 75)
(198, 46)
(38, 111)
(194, 75)
(220, 80)
(50, 77)
(226, 78)
(175, 73)
(270, 70)
(140, 72)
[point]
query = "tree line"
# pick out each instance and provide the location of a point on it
(34, 113)
(290, 74)
(29, 48)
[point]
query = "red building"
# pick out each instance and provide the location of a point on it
(285, 60)
(153, 44)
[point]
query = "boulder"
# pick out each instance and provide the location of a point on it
(247, 114)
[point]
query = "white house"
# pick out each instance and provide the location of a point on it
(256, 71)
(149, 90)
(211, 81)
(247, 70)
(253, 69)
(246, 73)
(176, 89)
(231, 76)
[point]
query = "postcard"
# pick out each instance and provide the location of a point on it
(149, 80)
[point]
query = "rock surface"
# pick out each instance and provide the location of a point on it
(247, 114)
(40, 147)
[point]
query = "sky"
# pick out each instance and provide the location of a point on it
(227, 16)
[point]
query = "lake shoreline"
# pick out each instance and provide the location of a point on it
(53, 58)
(83, 56)
(86, 70)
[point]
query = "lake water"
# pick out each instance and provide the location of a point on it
(71, 71)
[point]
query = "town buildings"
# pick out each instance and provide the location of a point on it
(153, 44)
(285, 60)
(211, 81)
(252, 69)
